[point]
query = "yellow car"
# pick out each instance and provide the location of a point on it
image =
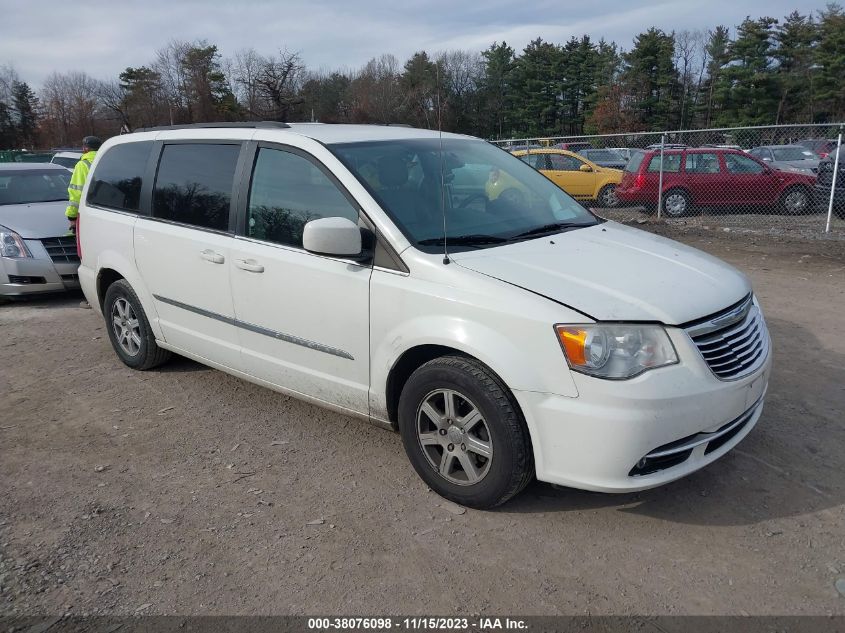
(580, 178)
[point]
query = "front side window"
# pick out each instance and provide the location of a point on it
(287, 192)
(794, 153)
(29, 186)
(116, 183)
(738, 164)
(702, 164)
(194, 184)
(671, 163)
(488, 196)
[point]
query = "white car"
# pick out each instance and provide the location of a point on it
(536, 340)
(67, 160)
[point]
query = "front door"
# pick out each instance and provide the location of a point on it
(566, 173)
(303, 319)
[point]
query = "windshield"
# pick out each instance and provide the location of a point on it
(794, 153)
(22, 187)
(602, 154)
(489, 197)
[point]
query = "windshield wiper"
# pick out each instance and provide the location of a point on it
(464, 240)
(554, 227)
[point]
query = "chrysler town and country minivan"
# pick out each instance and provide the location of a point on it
(359, 268)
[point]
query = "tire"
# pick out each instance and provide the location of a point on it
(676, 203)
(796, 201)
(479, 456)
(129, 330)
(607, 197)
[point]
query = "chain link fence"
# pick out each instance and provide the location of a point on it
(781, 180)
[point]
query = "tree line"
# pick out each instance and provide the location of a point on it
(765, 71)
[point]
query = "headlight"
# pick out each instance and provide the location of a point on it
(11, 244)
(615, 351)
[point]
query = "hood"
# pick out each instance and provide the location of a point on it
(790, 165)
(612, 272)
(35, 220)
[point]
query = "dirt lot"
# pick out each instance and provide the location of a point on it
(187, 491)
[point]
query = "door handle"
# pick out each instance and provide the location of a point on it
(210, 256)
(249, 264)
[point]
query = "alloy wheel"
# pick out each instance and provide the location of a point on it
(795, 202)
(454, 437)
(127, 328)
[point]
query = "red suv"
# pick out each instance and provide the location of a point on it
(707, 177)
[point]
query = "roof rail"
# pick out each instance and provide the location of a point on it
(217, 124)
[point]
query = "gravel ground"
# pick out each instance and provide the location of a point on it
(186, 491)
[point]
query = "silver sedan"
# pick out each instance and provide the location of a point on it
(37, 250)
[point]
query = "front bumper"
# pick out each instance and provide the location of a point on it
(36, 274)
(680, 418)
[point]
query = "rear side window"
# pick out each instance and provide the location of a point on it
(537, 161)
(634, 162)
(702, 164)
(288, 191)
(671, 163)
(194, 184)
(116, 183)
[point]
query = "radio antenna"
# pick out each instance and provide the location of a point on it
(442, 176)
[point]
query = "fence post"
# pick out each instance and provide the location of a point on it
(660, 178)
(833, 181)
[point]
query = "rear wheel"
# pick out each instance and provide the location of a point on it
(463, 432)
(129, 330)
(607, 197)
(796, 201)
(676, 203)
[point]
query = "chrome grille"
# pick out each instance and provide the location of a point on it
(61, 249)
(734, 342)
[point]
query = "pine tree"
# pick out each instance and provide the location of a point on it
(829, 66)
(651, 79)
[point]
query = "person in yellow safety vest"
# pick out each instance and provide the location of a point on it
(90, 145)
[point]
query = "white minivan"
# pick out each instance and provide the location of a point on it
(431, 284)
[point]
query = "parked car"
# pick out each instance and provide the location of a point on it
(824, 183)
(574, 146)
(822, 147)
(625, 151)
(503, 339)
(788, 158)
(37, 254)
(67, 160)
(605, 158)
(576, 175)
(713, 178)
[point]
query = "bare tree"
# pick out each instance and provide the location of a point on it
(278, 81)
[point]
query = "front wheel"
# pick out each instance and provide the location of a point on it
(464, 434)
(796, 201)
(129, 330)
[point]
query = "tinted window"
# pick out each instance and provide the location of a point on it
(194, 184)
(738, 164)
(117, 180)
(702, 164)
(23, 187)
(562, 162)
(671, 163)
(288, 191)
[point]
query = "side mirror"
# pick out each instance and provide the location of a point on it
(332, 236)
(584, 167)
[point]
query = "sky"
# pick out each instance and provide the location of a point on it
(102, 38)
